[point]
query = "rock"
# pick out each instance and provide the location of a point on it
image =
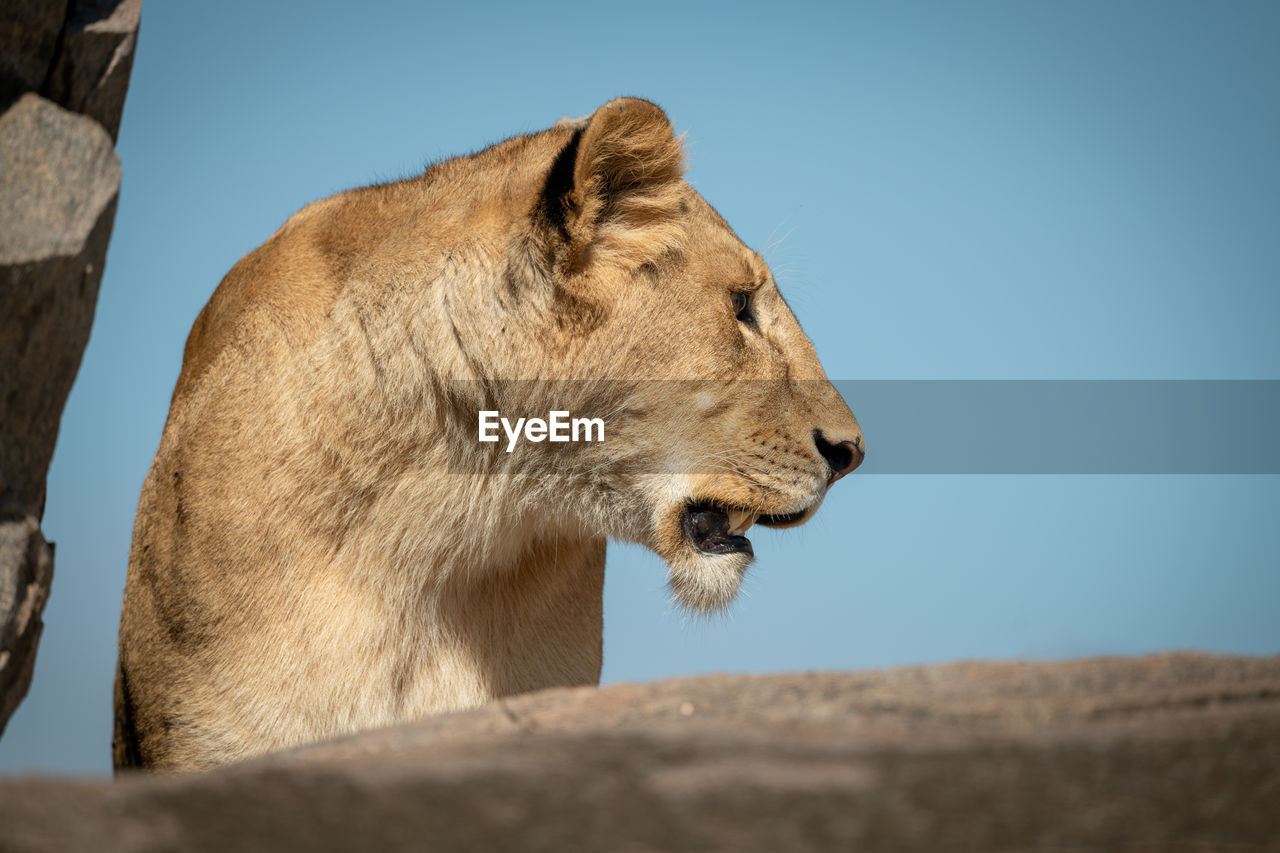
(26, 570)
(1157, 753)
(59, 176)
(28, 40)
(91, 75)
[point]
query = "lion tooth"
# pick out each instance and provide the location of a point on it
(740, 521)
(735, 518)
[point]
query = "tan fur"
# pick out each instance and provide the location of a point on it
(322, 546)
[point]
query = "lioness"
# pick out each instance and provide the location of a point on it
(323, 545)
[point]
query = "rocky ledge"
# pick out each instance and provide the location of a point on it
(1172, 752)
(64, 69)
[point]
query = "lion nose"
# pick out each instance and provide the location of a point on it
(842, 457)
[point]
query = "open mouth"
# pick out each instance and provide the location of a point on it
(715, 528)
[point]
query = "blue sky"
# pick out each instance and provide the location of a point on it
(987, 190)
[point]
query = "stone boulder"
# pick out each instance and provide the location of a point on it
(92, 71)
(59, 176)
(64, 68)
(1171, 752)
(26, 568)
(29, 31)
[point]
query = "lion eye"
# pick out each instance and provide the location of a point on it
(742, 307)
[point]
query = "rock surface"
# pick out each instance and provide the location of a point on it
(1172, 752)
(26, 569)
(29, 32)
(64, 68)
(59, 176)
(92, 71)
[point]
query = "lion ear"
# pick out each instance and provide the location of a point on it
(616, 186)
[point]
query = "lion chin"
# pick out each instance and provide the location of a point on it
(706, 571)
(703, 538)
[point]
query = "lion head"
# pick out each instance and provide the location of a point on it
(644, 308)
